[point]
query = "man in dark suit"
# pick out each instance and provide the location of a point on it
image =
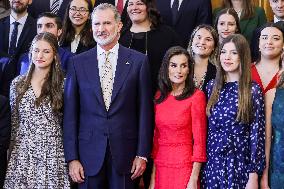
(55, 6)
(5, 133)
(47, 22)
(184, 15)
(17, 32)
(108, 111)
(121, 5)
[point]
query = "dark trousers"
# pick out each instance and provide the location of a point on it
(3, 167)
(108, 177)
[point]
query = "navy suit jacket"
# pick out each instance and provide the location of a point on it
(12, 69)
(5, 133)
(39, 6)
(64, 58)
(89, 127)
(191, 14)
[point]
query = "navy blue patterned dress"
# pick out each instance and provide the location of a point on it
(233, 149)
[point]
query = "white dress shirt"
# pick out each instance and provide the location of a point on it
(113, 56)
(75, 43)
(276, 19)
(22, 22)
(179, 3)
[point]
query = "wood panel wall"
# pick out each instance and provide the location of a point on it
(261, 3)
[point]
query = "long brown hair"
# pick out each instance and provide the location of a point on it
(164, 82)
(248, 8)
(213, 32)
(244, 113)
(231, 12)
(68, 31)
(52, 88)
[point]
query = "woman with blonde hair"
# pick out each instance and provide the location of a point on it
(36, 157)
(235, 144)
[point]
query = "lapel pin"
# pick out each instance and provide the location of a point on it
(127, 63)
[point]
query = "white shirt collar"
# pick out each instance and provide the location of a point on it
(22, 20)
(276, 19)
(113, 50)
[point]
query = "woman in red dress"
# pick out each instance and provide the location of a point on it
(265, 70)
(180, 118)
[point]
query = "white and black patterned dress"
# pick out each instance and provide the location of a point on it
(37, 158)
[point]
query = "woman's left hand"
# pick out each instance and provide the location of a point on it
(252, 182)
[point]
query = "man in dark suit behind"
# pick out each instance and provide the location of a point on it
(40, 6)
(184, 15)
(5, 133)
(108, 110)
(17, 32)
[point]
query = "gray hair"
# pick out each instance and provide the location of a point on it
(104, 6)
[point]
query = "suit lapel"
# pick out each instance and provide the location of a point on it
(92, 71)
(24, 34)
(122, 68)
(181, 10)
(6, 34)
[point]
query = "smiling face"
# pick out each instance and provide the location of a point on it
(226, 26)
(137, 11)
(277, 7)
(178, 69)
(230, 59)
(271, 42)
(42, 54)
(106, 29)
(203, 43)
(78, 13)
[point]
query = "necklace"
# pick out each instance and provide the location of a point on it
(200, 83)
(146, 42)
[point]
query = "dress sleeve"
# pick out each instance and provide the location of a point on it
(257, 132)
(14, 112)
(199, 128)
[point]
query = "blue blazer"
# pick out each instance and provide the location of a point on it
(39, 6)
(64, 58)
(127, 126)
(191, 14)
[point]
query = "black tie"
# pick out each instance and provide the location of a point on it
(13, 41)
(175, 10)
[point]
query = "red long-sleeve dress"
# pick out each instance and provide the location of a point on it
(179, 139)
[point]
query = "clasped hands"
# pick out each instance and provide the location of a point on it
(76, 170)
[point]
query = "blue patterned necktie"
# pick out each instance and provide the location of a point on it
(55, 6)
(175, 10)
(13, 40)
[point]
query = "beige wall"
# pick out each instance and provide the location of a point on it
(261, 3)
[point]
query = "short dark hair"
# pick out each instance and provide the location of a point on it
(57, 19)
(164, 82)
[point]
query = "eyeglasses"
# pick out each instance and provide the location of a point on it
(81, 10)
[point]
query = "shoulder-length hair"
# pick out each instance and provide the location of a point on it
(164, 82)
(68, 31)
(229, 11)
(248, 8)
(213, 32)
(280, 27)
(153, 14)
(52, 88)
(244, 84)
